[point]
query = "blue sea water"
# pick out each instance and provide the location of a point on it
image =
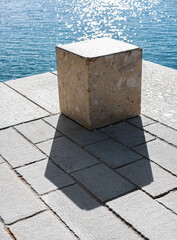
(30, 29)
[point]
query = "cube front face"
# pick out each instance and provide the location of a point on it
(101, 90)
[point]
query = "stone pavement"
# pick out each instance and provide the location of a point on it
(60, 181)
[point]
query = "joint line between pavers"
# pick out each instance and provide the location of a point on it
(55, 190)
(165, 193)
(166, 207)
(27, 98)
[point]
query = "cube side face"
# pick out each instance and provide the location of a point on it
(73, 86)
(115, 87)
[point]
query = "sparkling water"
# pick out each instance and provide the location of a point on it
(30, 29)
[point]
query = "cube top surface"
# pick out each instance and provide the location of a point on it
(97, 47)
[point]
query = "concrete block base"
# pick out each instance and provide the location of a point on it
(99, 81)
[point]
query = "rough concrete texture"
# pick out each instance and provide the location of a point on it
(148, 216)
(150, 177)
(16, 201)
(41, 89)
(11, 114)
(127, 134)
(74, 130)
(170, 201)
(113, 153)
(159, 96)
(103, 182)
(37, 131)
(67, 154)
(101, 79)
(21, 151)
(4, 235)
(44, 226)
(164, 132)
(37, 175)
(87, 217)
(1, 160)
(161, 153)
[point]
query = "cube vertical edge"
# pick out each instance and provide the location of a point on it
(99, 81)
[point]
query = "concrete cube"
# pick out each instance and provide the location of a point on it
(99, 81)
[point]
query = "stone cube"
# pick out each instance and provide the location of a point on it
(99, 81)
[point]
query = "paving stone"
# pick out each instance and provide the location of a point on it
(170, 201)
(161, 153)
(3, 233)
(75, 131)
(38, 131)
(163, 132)
(86, 217)
(150, 177)
(113, 153)
(1, 160)
(149, 217)
(44, 226)
(16, 149)
(15, 108)
(44, 176)
(127, 134)
(67, 154)
(41, 89)
(140, 121)
(103, 182)
(17, 201)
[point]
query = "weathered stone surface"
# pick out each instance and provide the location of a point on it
(16, 149)
(74, 131)
(148, 216)
(67, 154)
(1, 160)
(37, 131)
(150, 177)
(17, 201)
(170, 201)
(41, 89)
(141, 121)
(86, 217)
(113, 153)
(161, 153)
(103, 182)
(14, 108)
(44, 176)
(44, 226)
(159, 93)
(163, 132)
(3, 233)
(127, 134)
(99, 81)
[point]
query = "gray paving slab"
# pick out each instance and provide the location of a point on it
(44, 176)
(17, 200)
(170, 201)
(44, 226)
(67, 154)
(37, 131)
(163, 132)
(16, 149)
(75, 131)
(150, 177)
(103, 182)
(1, 160)
(141, 121)
(15, 108)
(41, 89)
(159, 96)
(127, 134)
(160, 152)
(86, 217)
(149, 217)
(113, 153)
(4, 235)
